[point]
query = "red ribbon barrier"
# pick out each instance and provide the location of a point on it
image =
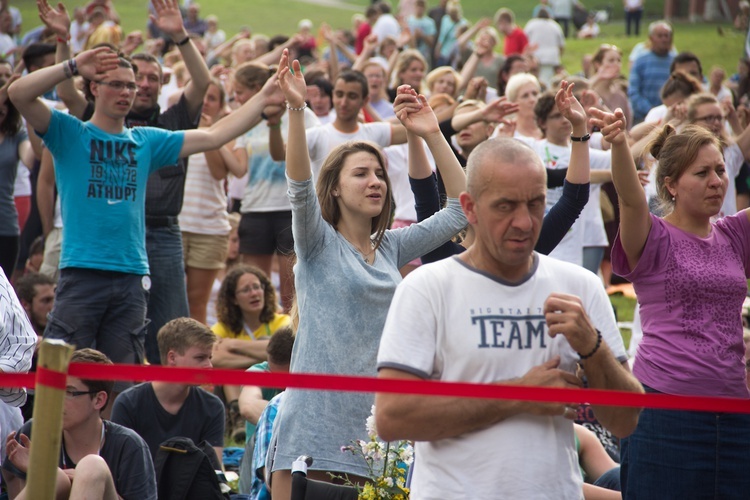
(51, 378)
(197, 376)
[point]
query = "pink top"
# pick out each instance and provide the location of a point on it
(690, 291)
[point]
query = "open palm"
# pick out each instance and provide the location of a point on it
(292, 84)
(58, 20)
(569, 105)
(168, 17)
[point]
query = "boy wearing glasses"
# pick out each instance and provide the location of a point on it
(98, 458)
(101, 169)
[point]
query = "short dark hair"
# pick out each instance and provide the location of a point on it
(544, 106)
(279, 348)
(181, 334)
(351, 75)
(25, 285)
(325, 86)
(683, 58)
(93, 356)
(123, 62)
(34, 53)
(147, 58)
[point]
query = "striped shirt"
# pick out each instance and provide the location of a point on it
(17, 340)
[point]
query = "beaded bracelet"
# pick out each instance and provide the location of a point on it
(301, 108)
(596, 347)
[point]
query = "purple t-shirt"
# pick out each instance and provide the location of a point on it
(691, 291)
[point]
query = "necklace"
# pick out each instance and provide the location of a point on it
(366, 255)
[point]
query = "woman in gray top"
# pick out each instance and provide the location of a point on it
(14, 146)
(345, 276)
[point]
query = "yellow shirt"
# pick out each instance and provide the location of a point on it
(263, 332)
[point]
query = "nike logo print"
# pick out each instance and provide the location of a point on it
(113, 202)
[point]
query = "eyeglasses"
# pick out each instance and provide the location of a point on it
(250, 288)
(117, 85)
(72, 394)
(710, 118)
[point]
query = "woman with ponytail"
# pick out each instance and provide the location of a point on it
(690, 274)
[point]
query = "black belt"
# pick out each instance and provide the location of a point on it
(161, 220)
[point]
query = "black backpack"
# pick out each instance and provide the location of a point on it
(185, 471)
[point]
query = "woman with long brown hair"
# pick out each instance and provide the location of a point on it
(346, 273)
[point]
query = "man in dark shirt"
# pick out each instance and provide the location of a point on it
(98, 459)
(158, 411)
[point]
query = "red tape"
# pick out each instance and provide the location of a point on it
(197, 376)
(51, 378)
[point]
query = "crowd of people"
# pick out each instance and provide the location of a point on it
(414, 197)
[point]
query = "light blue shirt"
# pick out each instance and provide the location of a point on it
(101, 179)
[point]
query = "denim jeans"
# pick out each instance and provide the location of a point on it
(687, 454)
(168, 297)
(105, 310)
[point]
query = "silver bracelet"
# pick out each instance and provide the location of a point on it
(301, 108)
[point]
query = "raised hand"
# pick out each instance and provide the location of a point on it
(94, 64)
(506, 128)
(292, 84)
(569, 106)
(57, 20)
(498, 109)
(370, 45)
(414, 113)
(477, 88)
(168, 17)
(612, 125)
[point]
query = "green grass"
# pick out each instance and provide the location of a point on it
(271, 17)
(624, 307)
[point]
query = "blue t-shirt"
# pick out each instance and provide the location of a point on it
(101, 179)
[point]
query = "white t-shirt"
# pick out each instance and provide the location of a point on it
(398, 172)
(547, 35)
(386, 25)
(321, 140)
(733, 159)
(265, 190)
(487, 330)
(588, 230)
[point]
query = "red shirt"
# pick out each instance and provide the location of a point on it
(515, 42)
(363, 32)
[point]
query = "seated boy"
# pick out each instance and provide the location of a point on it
(98, 459)
(158, 411)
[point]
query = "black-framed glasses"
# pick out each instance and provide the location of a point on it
(72, 394)
(117, 85)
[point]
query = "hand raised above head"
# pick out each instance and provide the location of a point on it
(414, 113)
(569, 106)
(291, 81)
(612, 125)
(56, 19)
(95, 63)
(168, 17)
(498, 109)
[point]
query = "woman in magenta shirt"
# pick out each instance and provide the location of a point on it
(690, 274)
